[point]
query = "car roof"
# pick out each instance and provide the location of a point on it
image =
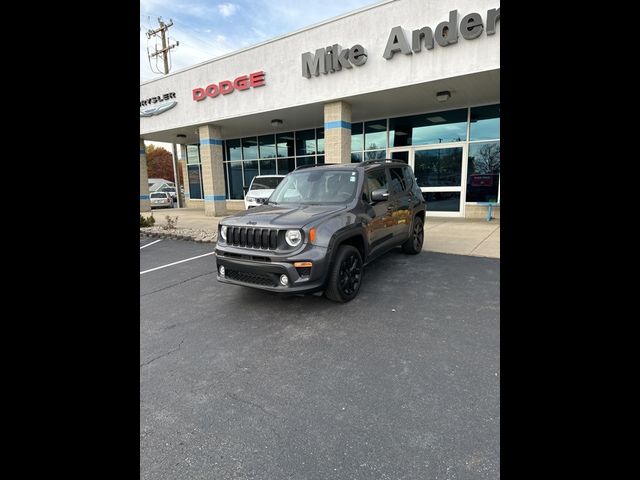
(365, 165)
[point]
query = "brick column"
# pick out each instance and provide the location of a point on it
(145, 205)
(337, 132)
(215, 204)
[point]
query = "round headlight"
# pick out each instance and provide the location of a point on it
(223, 232)
(293, 237)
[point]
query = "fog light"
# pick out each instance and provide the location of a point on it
(284, 280)
(221, 270)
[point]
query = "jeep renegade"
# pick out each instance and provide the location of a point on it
(320, 227)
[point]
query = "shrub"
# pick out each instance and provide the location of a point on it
(147, 222)
(171, 223)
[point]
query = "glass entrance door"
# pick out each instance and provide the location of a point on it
(439, 172)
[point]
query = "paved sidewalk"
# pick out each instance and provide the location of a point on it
(445, 235)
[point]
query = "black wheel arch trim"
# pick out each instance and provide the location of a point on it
(346, 233)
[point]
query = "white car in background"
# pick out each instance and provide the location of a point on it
(160, 199)
(261, 188)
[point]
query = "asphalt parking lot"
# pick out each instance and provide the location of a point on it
(401, 383)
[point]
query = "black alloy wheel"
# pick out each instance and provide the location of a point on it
(345, 277)
(413, 245)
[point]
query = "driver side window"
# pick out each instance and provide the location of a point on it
(376, 179)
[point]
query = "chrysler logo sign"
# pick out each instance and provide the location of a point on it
(157, 105)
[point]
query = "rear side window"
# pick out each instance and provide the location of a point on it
(408, 177)
(397, 180)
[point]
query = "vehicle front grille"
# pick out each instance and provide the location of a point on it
(263, 279)
(262, 238)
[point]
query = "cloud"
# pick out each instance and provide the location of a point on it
(227, 9)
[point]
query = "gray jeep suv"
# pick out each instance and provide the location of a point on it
(320, 227)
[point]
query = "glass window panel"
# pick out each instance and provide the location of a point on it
(267, 167)
(234, 152)
(428, 128)
(193, 154)
(356, 157)
(441, 167)
(250, 148)
(400, 156)
(195, 185)
(357, 139)
(267, 146)
(305, 142)
(225, 166)
(235, 181)
(250, 171)
(483, 172)
(320, 160)
(485, 123)
(285, 144)
(375, 134)
(305, 161)
(442, 201)
(375, 154)
(286, 165)
(320, 136)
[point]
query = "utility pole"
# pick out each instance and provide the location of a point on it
(165, 49)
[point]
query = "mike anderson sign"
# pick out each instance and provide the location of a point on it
(333, 59)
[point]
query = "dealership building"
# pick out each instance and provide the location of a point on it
(413, 80)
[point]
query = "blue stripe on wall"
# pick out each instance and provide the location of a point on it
(213, 198)
(144, 197)
(142, 152)
(210, 141)
(337, 124)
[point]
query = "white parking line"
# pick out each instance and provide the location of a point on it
(145, 246)
(175, 263)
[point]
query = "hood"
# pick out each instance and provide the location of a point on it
(262, 193)
(280, 216)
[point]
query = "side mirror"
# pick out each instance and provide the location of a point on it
(245, 188)
(380, 195)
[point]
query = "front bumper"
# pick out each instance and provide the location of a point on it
(263, 272)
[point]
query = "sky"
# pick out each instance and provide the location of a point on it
(207, 28)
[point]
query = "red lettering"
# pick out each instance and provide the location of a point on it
(241, 83)
(226, 87)
(256, 79)
(212, 90)
(198, 94)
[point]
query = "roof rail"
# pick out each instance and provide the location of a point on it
(314, 165)
(377, 160)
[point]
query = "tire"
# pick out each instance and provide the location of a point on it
(345, 276)
(413, 245)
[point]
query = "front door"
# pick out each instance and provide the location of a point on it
(439, 172)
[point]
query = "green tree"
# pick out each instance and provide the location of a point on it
(159, 163)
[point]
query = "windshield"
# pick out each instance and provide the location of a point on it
(158, 195)
(316, 187)
(265, 183)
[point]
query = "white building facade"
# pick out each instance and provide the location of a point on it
(414, 80)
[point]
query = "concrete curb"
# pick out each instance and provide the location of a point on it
(174, 236)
